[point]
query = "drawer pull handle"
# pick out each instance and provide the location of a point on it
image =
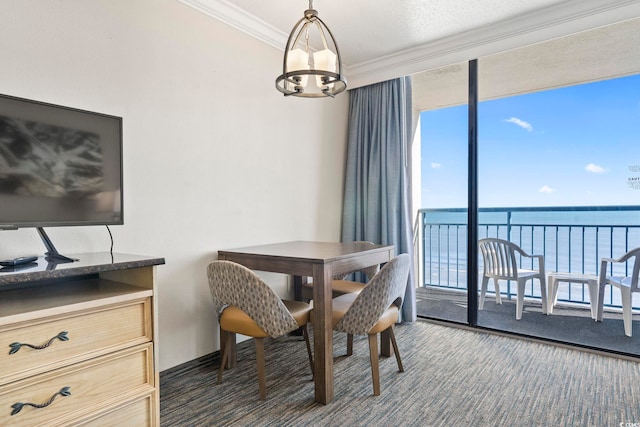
(17, 407)
(62, 336)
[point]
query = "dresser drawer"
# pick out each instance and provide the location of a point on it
(72, 337)
(137, 413)
(74, 392)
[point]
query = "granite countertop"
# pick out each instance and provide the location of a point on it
(88, 263)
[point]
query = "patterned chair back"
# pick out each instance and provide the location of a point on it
(385, 288)
(232, 284)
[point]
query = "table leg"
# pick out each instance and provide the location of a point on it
(232, 355)
(298, 283)
(385, 343)
(552, 293)
(593, 297)
(322, 333)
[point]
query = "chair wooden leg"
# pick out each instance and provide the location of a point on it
(349, 344)
(392, 336)
(225, 354)
(305, 334)
(375, 371)
(262, 381)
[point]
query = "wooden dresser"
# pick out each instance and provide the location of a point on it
(78, 342)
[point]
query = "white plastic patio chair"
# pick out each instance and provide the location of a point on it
(499, 259)
(627, 285)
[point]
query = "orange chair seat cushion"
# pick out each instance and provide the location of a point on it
(347, 286)
(342, 303)
(299, 310)
(339, 287)
(237, 321)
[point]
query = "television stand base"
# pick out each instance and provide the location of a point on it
(58, 259)
(52, 255)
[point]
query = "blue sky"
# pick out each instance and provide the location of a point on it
(572, 146)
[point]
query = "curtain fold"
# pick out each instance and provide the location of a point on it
(377, 196)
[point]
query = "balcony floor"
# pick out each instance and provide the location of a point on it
(567, 324)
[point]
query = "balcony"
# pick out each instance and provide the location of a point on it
(572, 240)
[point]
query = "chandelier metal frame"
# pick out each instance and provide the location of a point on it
(297, 82)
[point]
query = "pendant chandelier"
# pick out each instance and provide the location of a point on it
(323, 66)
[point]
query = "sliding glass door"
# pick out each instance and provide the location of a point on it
(557, 172)
(558, 178)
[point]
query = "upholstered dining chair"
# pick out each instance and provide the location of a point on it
(248, 306)
(627, 283)
(499, 263)
(374, 310)
(340, 285)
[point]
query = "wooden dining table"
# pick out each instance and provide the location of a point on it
(321, 261)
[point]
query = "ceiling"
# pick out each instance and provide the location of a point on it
(382, 39)
(370, 29)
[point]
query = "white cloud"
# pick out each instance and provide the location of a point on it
(547, 189)
(594, 168)
(435, 165)
(521, 123)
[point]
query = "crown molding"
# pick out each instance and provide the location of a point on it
(559, 20)
(241, 20)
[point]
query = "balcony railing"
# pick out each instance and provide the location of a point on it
(572, 239)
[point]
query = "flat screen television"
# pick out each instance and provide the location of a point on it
(59, 166)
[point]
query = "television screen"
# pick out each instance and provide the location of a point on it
(59, 166)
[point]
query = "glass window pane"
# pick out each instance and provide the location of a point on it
(559, 176)
(442, 96)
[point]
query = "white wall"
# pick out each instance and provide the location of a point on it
(214, 156)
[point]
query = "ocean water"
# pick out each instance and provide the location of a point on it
(570, 240)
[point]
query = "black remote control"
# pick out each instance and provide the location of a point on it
(18, 261)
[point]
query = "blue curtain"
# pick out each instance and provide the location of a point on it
(377, 196)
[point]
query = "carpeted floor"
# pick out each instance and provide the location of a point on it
(569, 324)
(453, 377)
